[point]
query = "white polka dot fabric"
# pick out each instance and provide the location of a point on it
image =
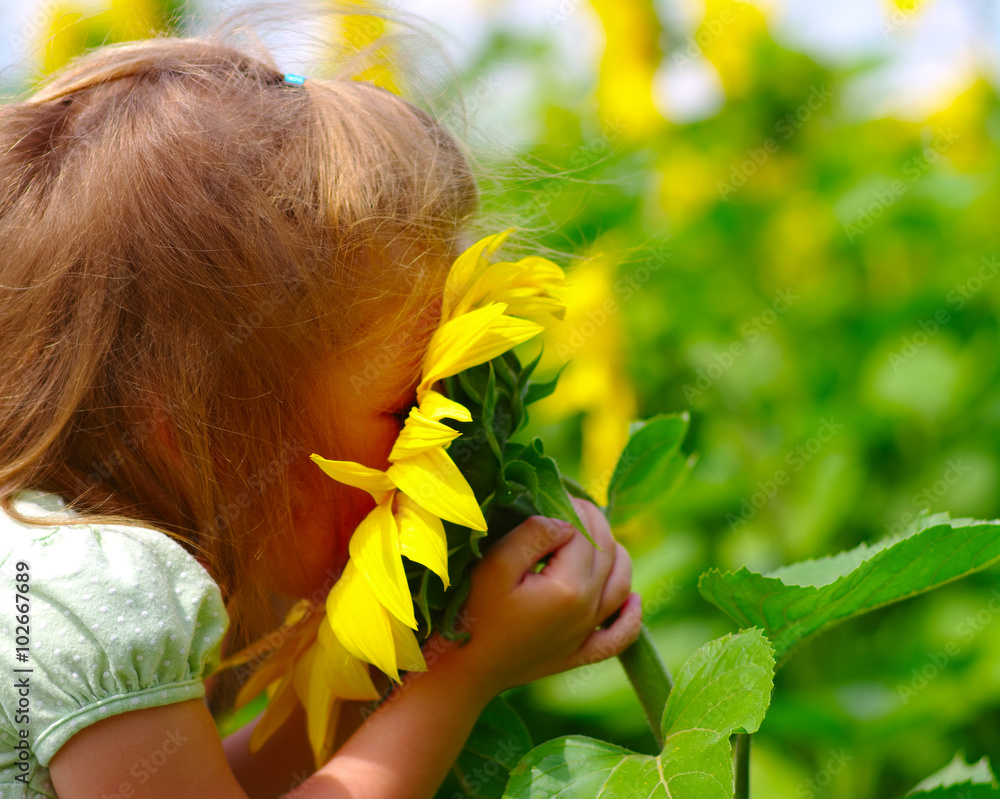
(122, 618)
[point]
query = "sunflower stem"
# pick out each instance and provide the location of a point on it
(741, 745)
(650, 680)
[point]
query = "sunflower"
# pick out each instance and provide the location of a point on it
(487, 308)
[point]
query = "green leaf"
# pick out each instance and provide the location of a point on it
(574, 489)
(650, 467)
(550, 497)
(723, 688)
(494, 746)
(235, 720)
(965, 790)
(958, 773)
(524, 473)
(795, 602)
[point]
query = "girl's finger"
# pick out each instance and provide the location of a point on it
(516, 553)
(617, 584)
(595, 523)
(611, 641)
(574, 562)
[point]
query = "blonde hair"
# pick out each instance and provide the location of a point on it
(183, 235)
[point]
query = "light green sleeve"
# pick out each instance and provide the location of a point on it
(121, 618)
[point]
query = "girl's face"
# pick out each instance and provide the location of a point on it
(364, 395)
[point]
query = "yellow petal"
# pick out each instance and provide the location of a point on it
(306, 686)
(435, 406)
(408, 654)
(465, 268)
(348, 677)
(282, 659)
(419, 434)
(375, 552)
(422, 537)
(360, 622)
(535, 305)
(281, 702)
(434, 482)
(471, 339)
(322, 741)
(318, 699)
(488, 285)
(271, 670)
(542, 272)
(267, 648)
(531, 277)
(354, 474)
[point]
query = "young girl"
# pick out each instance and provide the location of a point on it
(208, 272)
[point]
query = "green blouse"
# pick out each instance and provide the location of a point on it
(120, 618)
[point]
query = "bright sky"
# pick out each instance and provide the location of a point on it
(928, 56)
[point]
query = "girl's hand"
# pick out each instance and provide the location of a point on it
(526, 624)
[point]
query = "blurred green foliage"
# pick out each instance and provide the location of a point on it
(784, 268)
(824, 269)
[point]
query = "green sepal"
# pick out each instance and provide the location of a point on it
(551, 498)
(457, 595)
(539, 391)
(489, 414)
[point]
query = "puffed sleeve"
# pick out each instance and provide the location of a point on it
(121, 618)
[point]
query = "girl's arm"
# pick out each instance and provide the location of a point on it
(524, 625)
(280, 765)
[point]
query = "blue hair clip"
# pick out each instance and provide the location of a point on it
(295, 80)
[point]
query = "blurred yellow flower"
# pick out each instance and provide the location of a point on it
(72, 26)
(631, 57)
